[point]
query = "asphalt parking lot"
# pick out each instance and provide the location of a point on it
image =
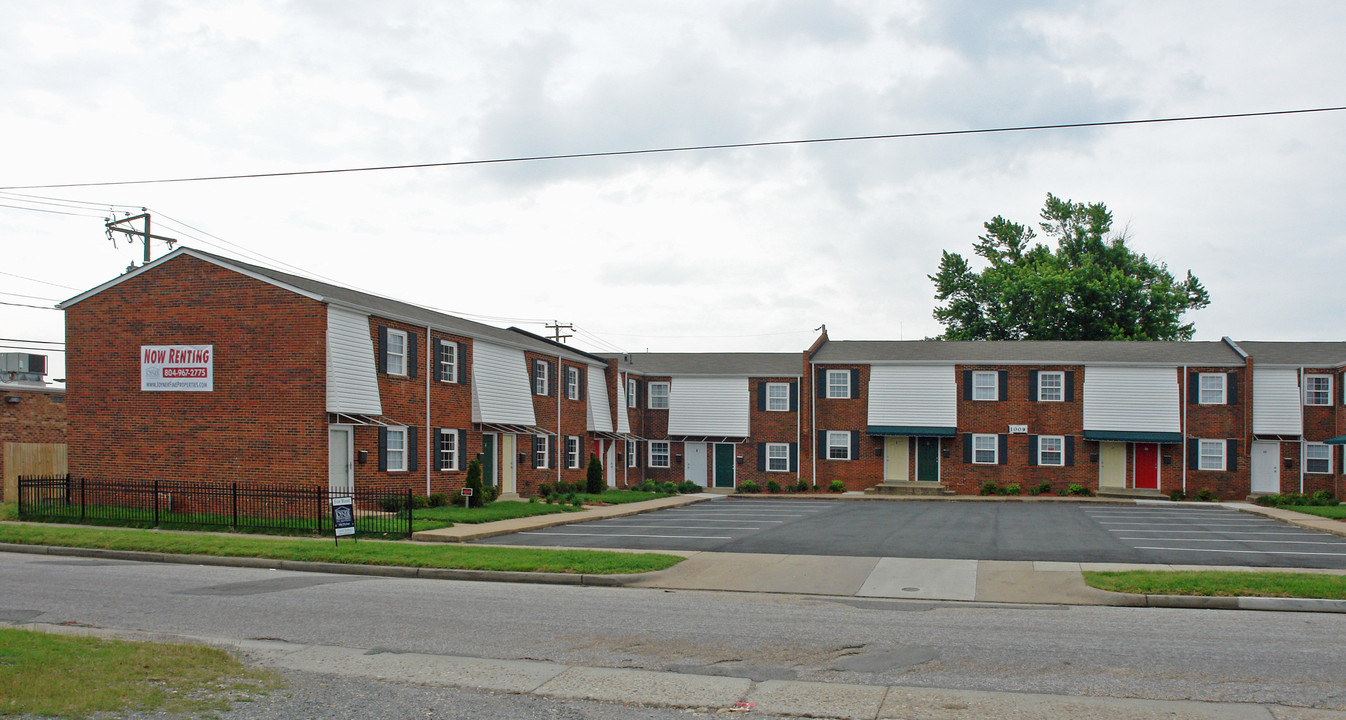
(1066, 532)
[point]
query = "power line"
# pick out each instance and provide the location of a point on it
(30, 297)
(687, 148)
(44, 282)
(35, 349)
(44, 210)
(37, 307)
(63, 202)
(698, 337)
(40, 342)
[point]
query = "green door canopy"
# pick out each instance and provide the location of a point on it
(911, 431)
(1132, 436)
(1338, 440)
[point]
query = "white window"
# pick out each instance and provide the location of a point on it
(448, 362)
(541, 451)
(1051, 386)
(659, 453)
(778, 397)
(838, 383)
(1051, 450)
(541, 385)
(395, 448)
(1211, 455)
(631, 392)
(838, 445)
(778, 457)
(659, 396)
(1212, 390)
(572, 383)
(986, 449)
(985, 386)
(1317, 458)
(1317, 389)
(396, 357)
(631, 449)
(448, 450)
(572, 452)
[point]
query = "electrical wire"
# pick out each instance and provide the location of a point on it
(30, 297)
(698, 337)
(35, 349)
(36, 307)
(44, 282)
(40, 342)
(685, 148)
(44, 210)
(63, 202)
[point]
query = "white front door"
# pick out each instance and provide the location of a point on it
(1112, 464)
(340, 468)
(610, 463)
(509, 463)
(694, 463)
(1266, 467)
(896, 464)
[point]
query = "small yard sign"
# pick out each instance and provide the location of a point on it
(343, 516)
(467, 497)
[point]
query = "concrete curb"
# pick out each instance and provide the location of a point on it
(1298, 519)
(463, 533)
(1273, 604)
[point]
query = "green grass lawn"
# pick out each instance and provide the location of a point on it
(363, 552)
(1334, 512)
(9, 511)
(1221, 583)
(56, 675)
(446, 515)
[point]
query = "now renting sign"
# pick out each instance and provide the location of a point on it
(177, 368)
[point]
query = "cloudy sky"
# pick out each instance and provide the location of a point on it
(746, 249)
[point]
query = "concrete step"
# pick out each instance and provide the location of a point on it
(901, 487)
(1134, 493)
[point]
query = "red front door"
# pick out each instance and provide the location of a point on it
(1147, 466)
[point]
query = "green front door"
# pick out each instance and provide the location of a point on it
(488, 459)
(927, 459)
(724, 465)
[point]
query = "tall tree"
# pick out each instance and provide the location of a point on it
(1091, 287)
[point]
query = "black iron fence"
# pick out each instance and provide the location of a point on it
(240, 506)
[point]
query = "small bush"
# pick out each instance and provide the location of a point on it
(1011, 489)
(687, 487)
(803, 486)
(491, 493)
(438, 499)
(577, 501)
(474, 481)
(1079, 490)
(1044, 488)
(1035, 490)
(749, 487)
(544, 489)
(989, 488)
(594, 484)
(646, 486)
(668, 488)
(1207, 495)
(836, 486)
(398, 503)
(532, 500)
(772, 486)
(1177, 495)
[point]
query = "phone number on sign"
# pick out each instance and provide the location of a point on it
(189, 372)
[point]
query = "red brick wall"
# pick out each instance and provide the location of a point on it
(1320, 423)
(769, 426)
(38, 417)
(265, 420)
(1229, 422)
(843, 414)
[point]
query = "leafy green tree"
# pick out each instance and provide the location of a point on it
(593, 477)
(473, 481)
(1090, 287)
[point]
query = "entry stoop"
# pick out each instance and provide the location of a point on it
(909, 488)
(1131, 493)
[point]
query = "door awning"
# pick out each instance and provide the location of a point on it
(1132, 436)
(709, 438)
(1338, 440)
(358, 419)
(1277, 438)
(509, 429)
(911, 431)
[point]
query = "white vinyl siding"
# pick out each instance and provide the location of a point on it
(1051, 450)
(778, 397)
(599, 414)
(985, 449)
(778, 457)
(708, 406)
(1212, 455)
(624, 400)
(985, 386)
(658, 453)
(658, 395)
(396, 359)
(1051, 386)
(1317, 458)
(352, 372)
(500, 388)
(1317, 389)
(1276, 403)
(396, 449)
(838, 445)
(1131, 399)
(1212, 390)
(913, 396)
(838, 383)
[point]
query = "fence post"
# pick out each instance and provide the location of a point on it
(156, 503)
(82, 485)
(323, 499)
(19, 485)
(235, 504)
(408, 513)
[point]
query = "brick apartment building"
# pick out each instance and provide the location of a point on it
(197, 366)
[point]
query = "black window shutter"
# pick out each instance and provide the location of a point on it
(383, 449)
(411, 356)
(822, 444)
(761, 397)
(637, 389)
(412, 452)
(794, 397)
(383, 351)
(1193, 388)
(1033, 448)
(1070, 386)
(1002, 380)
(552, 452)
(1032, 385)
(532, 377)
(462, 449)
(794, 457)
(461, 357)
(1004, 450)
(551, 378)
(1193, 454)
(855, 384)
(1070, 451)
(820, 384)
(435, 355)
(1232, 388)
(967, 447)
(584, 383)
(438, 452)
(537, 445)
(761, 456)
(640, 455)
(855, 445)
(967, 384)
(1231, 463)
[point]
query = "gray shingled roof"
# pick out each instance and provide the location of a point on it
(1028, 352)
(1311, 354)
(750, 364)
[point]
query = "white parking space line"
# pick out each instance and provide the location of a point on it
(1178, 524)
(1242, 552)
(675, 537)
(1221, 540)
(681, 527)
(713, 520)
(1229, 532)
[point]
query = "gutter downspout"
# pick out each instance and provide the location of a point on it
(1301, 430)
(560, 371)
(799, 433)
(813, 419)
(1185, 390)
(429, 444)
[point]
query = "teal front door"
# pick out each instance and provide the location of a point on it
(927, 459)
(724, 465)
(488, 459)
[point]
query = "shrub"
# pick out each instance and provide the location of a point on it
(474, 481)
(687, 486)
(577, 501)
(803, 486)
(1324, 497)
(1207, 495)
(543, 489)
(1044, 488)
(594, 483)
(532, 500)
(836, 486)
(491, 493)
(438, 499)
(668, 488)
(1011, 489)
(989, 488)
(749, 487)
(1177, 495)
(1078, 489)
(772, 486)
(646, 486)
(1035, 490)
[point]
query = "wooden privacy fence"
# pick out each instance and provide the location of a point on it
(35, 459)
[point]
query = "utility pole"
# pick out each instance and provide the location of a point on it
(116, 226)
(556, 327)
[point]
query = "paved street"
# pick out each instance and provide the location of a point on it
(1064, 532)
